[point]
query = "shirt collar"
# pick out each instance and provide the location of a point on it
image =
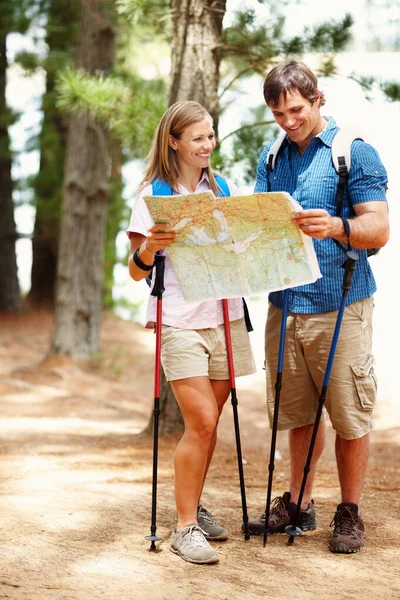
(326, 136)
(204, 177)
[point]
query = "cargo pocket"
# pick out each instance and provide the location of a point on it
(365, 383)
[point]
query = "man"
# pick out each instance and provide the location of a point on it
(304, 168)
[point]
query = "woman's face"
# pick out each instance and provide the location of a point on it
(195, 145)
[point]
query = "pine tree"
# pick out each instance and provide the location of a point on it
(85, 199)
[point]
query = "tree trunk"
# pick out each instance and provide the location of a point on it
(195, 61)
(170, 420)
(10, 299)
(62, 21)
(85, 198)
(195, 54)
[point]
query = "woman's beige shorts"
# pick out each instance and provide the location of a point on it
(352, 385)
(202, 352)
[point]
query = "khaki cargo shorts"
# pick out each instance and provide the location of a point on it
(202, 352)
(352, 385)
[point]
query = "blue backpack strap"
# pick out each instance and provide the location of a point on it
(161, 188)
(224, 190)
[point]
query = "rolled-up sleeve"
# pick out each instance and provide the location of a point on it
(368, 178)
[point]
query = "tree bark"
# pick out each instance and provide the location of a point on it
(62, 19)
(85, 198)
(195, 52)
(10, 299)
(170, 420)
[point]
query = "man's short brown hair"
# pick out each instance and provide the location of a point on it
(291, 76)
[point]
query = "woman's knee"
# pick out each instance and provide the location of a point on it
(203, 427)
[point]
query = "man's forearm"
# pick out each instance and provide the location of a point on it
(369, 230)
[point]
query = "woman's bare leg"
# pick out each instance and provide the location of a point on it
(221, 390)
(198, 404)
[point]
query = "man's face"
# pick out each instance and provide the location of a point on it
(299, 118)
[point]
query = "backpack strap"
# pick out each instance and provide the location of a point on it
(274, 150)
(273, 154)
(341, 158)
(224, 190)
(161, 188)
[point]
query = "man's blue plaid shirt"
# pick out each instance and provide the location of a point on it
(311, 179)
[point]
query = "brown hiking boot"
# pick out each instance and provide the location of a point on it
(281, 514)
(348, 533)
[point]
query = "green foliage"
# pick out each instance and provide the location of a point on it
(16, 15)
(391, 89)
(29, 61)
(153, 15)
(117, 211)
(251, 47)
(129, 107)
(247, 142)
(330, 36)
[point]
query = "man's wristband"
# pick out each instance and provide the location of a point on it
(139, 263)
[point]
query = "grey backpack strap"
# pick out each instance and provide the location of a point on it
(341, 148)
(273, 152)
(341, 158)
(272, 156)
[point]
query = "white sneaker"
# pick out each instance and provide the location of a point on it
(191, 545)
(210, 526)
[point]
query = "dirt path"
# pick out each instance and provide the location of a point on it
(76, 488)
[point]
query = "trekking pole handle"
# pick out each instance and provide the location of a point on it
(349, 268)
(158, 288)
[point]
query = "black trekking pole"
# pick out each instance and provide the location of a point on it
(351, 262)
(157, 291)
(278, 387)
(234, 403)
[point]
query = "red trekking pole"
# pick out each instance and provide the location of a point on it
(234, 403)
(157, 291)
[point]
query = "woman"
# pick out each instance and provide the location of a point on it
(193, 350)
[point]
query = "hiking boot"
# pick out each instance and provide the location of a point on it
(281, 514)
(191, 545)
(348, 533)
(210, 526)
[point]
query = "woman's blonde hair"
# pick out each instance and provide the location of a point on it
(162, 159)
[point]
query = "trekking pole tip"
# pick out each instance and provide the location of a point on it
(292, 532)
(153, 539)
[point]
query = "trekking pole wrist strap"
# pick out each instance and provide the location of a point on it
(139, 263)
(346, 227)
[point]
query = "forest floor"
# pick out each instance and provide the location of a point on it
(75, 496)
